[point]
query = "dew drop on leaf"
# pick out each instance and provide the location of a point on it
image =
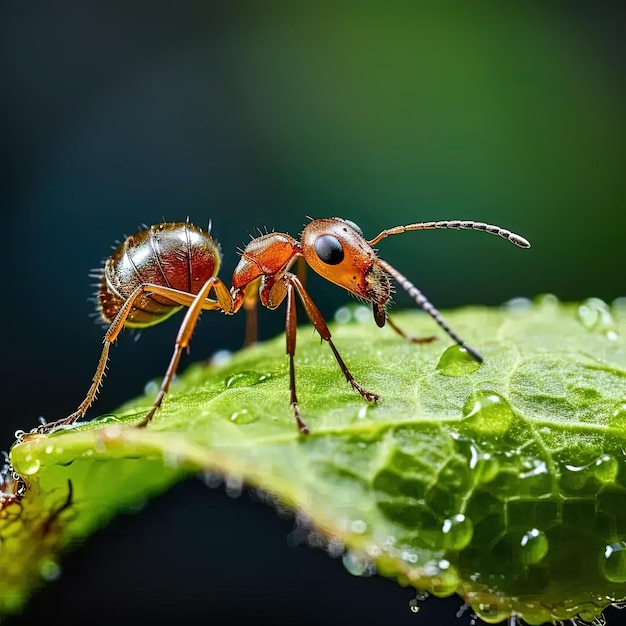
(618, 417)
(243, 417)
(613, 563)
(220, 357)
(518, 305)
(50, 570)
(105, 419)
(534, 546)
(594, 314)
(357, 565)
(492, 613)
(488, 413)
(604, 470)
(31, 465)
(358, 526)
(245, 379)
(457, 532)
(343, 315)
(456, 361)
(547, 301)
(444, 578)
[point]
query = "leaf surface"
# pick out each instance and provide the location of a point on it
(504, 482)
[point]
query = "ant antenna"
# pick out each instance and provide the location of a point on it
(422, 301)
(518, 240)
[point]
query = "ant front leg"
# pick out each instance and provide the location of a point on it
(291, 326)
(319, 323)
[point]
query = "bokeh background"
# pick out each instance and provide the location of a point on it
(256, 115)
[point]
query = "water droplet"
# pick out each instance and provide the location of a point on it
(491, 613)
(30, 465)
(105, 419)
(243, 417)
(518, 305)
(358, 526)
(534, 546)
(245, 379)
(457, 531)
(488, 413)
(220, 357)
(234, 486)
(444, 582)
(594, 314)
(488, 467)
(414, 605)
(604, 470)
(588, 613)
(409, 556)
(50, 570)
(343, 315)
(618, 306)
(618, 418)
(358, 565)
(613, 563)
(457, 362)
(151, 388)
(362, 314)
(352, 313)
(335, 548)
(547, 301)
(533, 467)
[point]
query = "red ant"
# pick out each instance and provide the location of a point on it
(158, 271)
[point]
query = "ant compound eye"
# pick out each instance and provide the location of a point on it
(354, 227)
(328, 249)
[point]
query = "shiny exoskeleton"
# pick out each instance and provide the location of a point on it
(170, 266)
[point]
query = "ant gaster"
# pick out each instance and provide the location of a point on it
(170, 266)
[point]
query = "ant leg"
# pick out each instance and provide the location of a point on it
(317, 319)
(411, 338)
(96, 381)
(182, 341)
(301, 269)
(250, 299)
(114, 330)
(290, 333)
(110, 336)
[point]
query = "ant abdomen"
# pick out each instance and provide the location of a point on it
(176, 255)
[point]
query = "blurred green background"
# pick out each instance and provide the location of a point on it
(258, 114)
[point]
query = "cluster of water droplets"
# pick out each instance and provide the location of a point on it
(353, 314)
(596, 316)
(243, 379)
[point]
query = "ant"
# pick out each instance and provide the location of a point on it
(169, 266)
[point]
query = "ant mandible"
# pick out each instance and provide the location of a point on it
(169, 266)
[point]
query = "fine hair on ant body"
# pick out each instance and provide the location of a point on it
(170, 266)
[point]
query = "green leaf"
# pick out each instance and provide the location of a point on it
(504, 482)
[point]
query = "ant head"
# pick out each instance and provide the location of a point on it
(335, 249)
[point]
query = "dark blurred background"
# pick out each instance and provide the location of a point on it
(256, 115)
